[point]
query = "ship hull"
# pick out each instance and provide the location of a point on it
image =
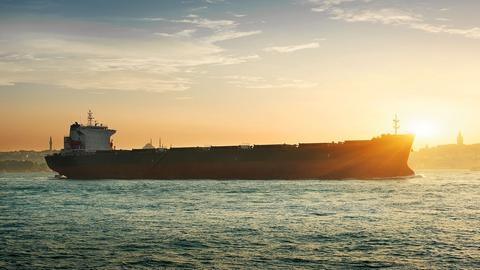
(383, 157)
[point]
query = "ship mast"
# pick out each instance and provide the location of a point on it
(90, 117)
(396, 124)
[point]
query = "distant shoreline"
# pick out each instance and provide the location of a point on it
(22, 166)
(24, 161)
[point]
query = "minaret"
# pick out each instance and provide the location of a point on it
(460, 138)
(50, 143)
(396, 124)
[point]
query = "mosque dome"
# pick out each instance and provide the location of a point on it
(149, 145)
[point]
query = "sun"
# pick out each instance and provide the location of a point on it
(424, 129)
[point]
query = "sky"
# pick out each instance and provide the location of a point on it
(217, 72)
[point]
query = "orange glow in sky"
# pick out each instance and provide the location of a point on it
(233, 72)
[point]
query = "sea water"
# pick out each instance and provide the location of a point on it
(432, 221)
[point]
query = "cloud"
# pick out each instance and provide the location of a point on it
(473, 33)
(197, 9)
(237, 15)
(221, 30)
(325, 5)
(129, 83)
(388, 16)
(172, 62)
(145, 65)
(89, 70)
(384, 16)
(239, 59)
(443, 19)
(227, 35)
(214, 1)
(196, 21)
(186, 33)
(293, 48)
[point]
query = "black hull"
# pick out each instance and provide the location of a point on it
(384, 157)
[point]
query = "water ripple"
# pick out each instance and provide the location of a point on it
(424, 222)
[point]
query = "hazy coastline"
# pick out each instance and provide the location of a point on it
(441, 157)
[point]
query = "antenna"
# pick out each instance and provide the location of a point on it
(90, 117)
(396, 124)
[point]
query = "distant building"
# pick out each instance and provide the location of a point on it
(50, 143)
(448, 156)
(459, 138)
(149, 145)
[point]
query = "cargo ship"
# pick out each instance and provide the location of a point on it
(89, 154)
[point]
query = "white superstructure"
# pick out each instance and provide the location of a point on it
(88, 138)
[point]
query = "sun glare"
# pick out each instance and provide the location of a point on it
(423, 129)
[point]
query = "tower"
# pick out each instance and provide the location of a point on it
(50, 143)
(90, 117)
(460, 138)
(396, 124)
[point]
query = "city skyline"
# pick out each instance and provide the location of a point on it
(214, 72)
